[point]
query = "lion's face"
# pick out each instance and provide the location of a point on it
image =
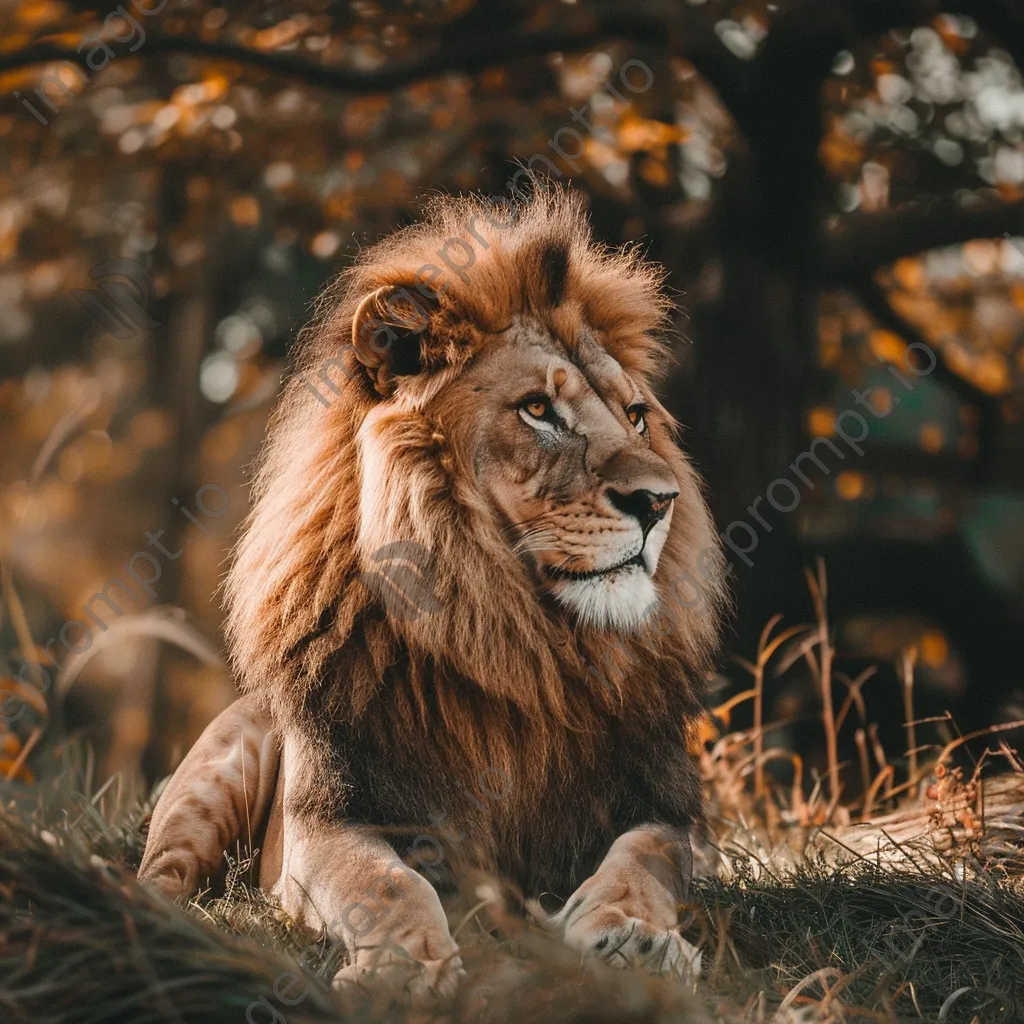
(561, 446)
(494, 436)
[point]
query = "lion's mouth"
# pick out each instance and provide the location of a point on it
(568, 574)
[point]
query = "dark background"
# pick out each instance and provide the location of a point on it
(826, 182)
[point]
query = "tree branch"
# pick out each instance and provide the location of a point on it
(470, 54)
(466, 47)
(858, 242)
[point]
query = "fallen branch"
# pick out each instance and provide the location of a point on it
(941, 828)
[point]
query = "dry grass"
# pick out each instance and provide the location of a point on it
(811, 908)
(81, 941)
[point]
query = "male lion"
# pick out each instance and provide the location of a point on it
(500, 417)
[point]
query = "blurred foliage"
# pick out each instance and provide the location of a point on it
(235, 155)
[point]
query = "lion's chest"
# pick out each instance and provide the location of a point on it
(542, 822)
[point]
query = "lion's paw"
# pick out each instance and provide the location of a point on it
(421, 980)
(605, 932)
(172, 878)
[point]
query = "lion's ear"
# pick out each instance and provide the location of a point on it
(389, 329)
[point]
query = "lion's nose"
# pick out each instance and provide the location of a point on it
(645, 506)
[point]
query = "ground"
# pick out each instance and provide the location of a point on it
(789, 939)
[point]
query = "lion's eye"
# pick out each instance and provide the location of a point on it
(536, 411)
(635, 415)
(538, 408)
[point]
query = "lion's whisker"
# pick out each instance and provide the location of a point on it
(527, 526)
(524, 541)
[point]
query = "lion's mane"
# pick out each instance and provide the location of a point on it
(495, 677)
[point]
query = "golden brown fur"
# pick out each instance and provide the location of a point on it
(292, 602)
(386, 719)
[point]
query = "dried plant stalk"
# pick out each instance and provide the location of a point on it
(818, 586)
(908, 658)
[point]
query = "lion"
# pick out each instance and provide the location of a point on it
(497, 413)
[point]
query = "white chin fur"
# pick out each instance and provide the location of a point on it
(620, 600)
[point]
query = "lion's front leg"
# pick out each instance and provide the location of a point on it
(627, 912)
(344, 880)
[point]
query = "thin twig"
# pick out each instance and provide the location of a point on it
(27, 749)
(853, 695)
(908, 658)
(860, 739)
(818, 586)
